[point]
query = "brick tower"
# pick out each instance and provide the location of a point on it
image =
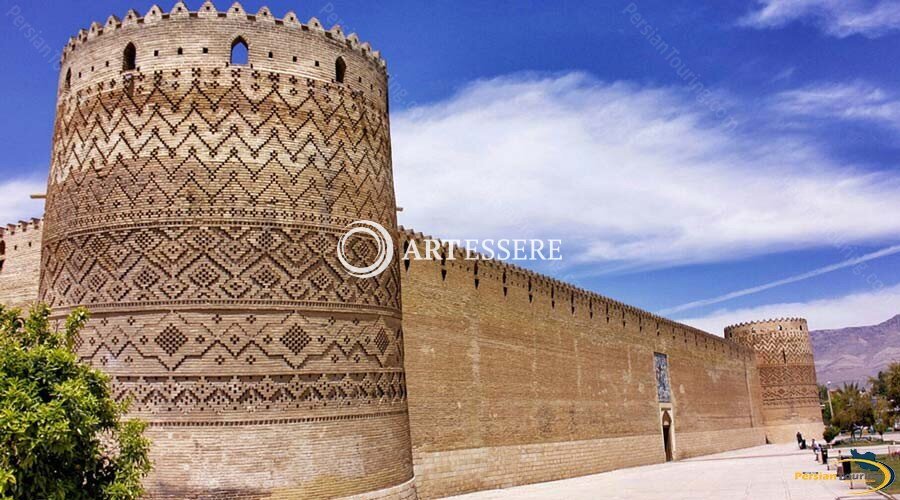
(194, 206)
(784, 358)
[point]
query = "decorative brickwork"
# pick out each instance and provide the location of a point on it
(787, 374)
(194, 206)
(183, 365)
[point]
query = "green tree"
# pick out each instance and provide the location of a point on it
(887, 385)
(882, 415)
(852, 407)
(823, 402)
(830, 433)
(61, 434)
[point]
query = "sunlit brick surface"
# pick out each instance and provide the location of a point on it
(20, 262)
(787, 372)
(194, 206)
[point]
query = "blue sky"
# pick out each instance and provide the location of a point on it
(681, 150)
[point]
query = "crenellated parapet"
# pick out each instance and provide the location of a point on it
(562, 296)
(765, 322)
(776, 341)
(204, 38)
(20, 260)
(34, 224)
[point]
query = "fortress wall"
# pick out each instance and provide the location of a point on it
(504, 390)
(20, 263)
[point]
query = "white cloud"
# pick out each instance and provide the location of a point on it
(623, 174)
(859, 309)
(855, 261)
(15, 201)
(857, 101)
(839, 18)
(785, 74)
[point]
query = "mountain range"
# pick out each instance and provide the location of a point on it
(856, 353)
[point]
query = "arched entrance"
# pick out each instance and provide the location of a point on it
(667, 434)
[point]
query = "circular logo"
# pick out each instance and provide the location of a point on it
(382, 239)
(886, 471)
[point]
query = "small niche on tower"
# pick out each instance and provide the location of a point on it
(240, 51)
(340, 70)
(129, 58)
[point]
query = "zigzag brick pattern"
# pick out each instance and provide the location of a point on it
(195, 207)
(787, 373)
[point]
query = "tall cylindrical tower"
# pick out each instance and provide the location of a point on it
(196, 198)
(784, 358)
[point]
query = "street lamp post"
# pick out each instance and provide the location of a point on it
(830, 406)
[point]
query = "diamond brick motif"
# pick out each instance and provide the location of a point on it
(295, 339)
(170, 339)
(381, 341)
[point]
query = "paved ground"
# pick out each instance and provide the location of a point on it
(760, 473)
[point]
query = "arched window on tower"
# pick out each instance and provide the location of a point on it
(129, 58)
(340, 70)
(240, 53)
(69, 78)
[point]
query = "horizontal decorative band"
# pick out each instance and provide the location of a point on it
(336, 225)
(228, 304)
(274, 421)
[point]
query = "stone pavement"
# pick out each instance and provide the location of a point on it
(758, 473)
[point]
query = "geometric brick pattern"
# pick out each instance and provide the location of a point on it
(784, 386)
(787, 374)
(184, 365)
(118, 161)
(195, 208)
(123, 174)
(273, 395)
(229, 263)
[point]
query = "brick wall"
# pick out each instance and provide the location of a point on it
(440, 473)
(787, 433)
(523, 378)
(20, 263)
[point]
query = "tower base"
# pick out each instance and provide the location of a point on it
(282, 460)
